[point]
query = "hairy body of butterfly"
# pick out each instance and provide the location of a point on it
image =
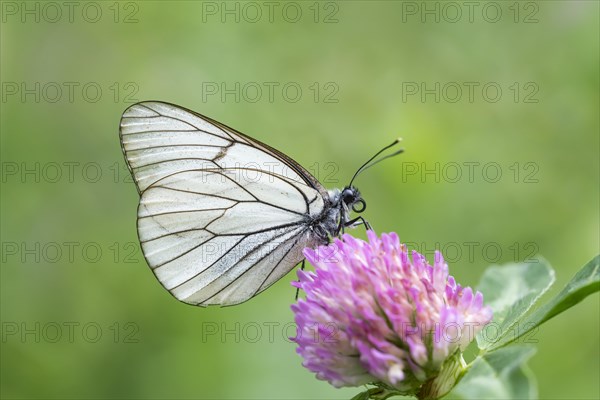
(222, 216)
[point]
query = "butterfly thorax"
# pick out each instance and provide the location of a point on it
(334, 218)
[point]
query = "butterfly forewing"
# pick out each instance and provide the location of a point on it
(221, 216)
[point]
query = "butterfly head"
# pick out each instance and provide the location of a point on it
(352, 199)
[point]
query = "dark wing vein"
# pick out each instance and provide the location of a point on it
(247, 254)
(185, 252)
(258, 261)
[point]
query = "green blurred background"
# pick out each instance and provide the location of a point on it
(83, 317)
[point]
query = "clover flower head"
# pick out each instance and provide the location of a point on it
(372, 313)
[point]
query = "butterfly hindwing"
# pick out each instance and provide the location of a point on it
(221, 216)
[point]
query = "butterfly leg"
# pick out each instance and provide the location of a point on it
(358, 221)
(298, 289)
(342, 224)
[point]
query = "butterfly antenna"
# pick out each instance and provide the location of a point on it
(370, 161)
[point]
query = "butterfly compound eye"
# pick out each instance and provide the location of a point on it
(348, 196)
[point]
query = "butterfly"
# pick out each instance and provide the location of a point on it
(223, 216)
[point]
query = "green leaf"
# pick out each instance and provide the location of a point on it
(501, 374)
(378, 393)
(362, 396)
(584, 283)
(510, 291)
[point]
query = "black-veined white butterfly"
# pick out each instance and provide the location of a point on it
(223, 216)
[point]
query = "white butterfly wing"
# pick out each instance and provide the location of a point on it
(221, 216)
